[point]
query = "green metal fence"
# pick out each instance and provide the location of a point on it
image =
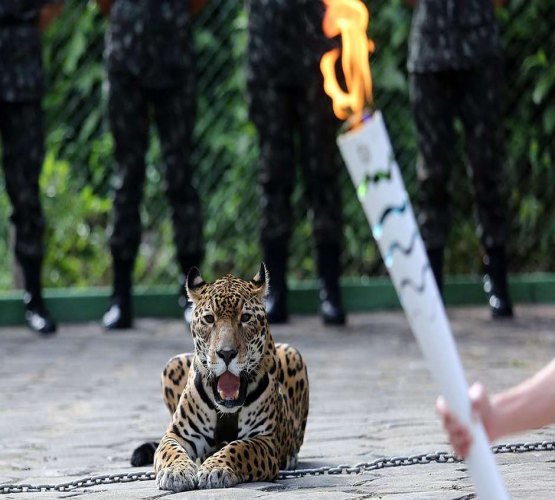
(79, 165)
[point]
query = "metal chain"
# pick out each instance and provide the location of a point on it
(79, 483)
(440, 457)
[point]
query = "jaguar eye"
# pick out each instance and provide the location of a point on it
(209, 318)
(245, 317)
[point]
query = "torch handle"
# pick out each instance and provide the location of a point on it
(445, 364)
(439, 350)
(369, 158)
(483, 468)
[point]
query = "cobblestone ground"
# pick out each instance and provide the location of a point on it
(77, 404)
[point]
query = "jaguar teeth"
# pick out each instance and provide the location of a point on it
(223, 396)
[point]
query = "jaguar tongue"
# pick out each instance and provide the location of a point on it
(228, 386)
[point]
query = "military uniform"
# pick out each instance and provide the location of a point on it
(22, 139)
(150, 64)
(286, 101)
(455, 71)
(295, 123)
(21, 127)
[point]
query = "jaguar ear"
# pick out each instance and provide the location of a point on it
(261, 281)
(194, 284)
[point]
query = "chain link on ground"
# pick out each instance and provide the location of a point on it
(440, 457)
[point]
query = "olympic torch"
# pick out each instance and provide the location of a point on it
(367, 151)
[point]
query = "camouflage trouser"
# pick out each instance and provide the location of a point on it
(473, 96)
(173, 110)
(21, 130)
(297, 124)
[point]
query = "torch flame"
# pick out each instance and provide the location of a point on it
(348, 18)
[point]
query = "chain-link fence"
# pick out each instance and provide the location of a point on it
(79, 164)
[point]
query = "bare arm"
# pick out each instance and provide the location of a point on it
(529, 405)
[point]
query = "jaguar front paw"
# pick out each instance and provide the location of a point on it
(178, 477)
(216, 477)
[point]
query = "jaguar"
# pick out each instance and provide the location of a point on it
(239, 402)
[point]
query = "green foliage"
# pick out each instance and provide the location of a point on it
(76, 235)
(6, 257)
(79, 164)
(530, 124)
(225, 144)
(74, 104)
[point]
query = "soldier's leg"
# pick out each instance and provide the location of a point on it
(128, 116)
(23, 152)
(434, 110)
(271, 110)
(480, 112)
(321, 169)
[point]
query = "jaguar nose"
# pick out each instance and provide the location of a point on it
(227, 355)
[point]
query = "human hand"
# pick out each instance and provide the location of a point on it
(48, 13)
(458, 433)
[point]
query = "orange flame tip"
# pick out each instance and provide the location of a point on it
(348, 18)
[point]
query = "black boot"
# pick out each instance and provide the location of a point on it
(327, 262)
(435, 256)
(275, 258)
(495, 283)
(37, 316)
(120, 314)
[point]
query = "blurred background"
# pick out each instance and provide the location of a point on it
(78, 170)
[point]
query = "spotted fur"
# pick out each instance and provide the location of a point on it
(212, 443)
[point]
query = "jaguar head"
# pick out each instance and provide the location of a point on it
(230, 332)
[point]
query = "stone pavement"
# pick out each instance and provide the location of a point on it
(76, 405)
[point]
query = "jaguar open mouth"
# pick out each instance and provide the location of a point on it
(230, 390)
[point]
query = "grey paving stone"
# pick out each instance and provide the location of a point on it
(76, 405)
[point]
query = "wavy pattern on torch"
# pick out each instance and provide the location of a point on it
(396, 246)
(419, 288)
(392, 209)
